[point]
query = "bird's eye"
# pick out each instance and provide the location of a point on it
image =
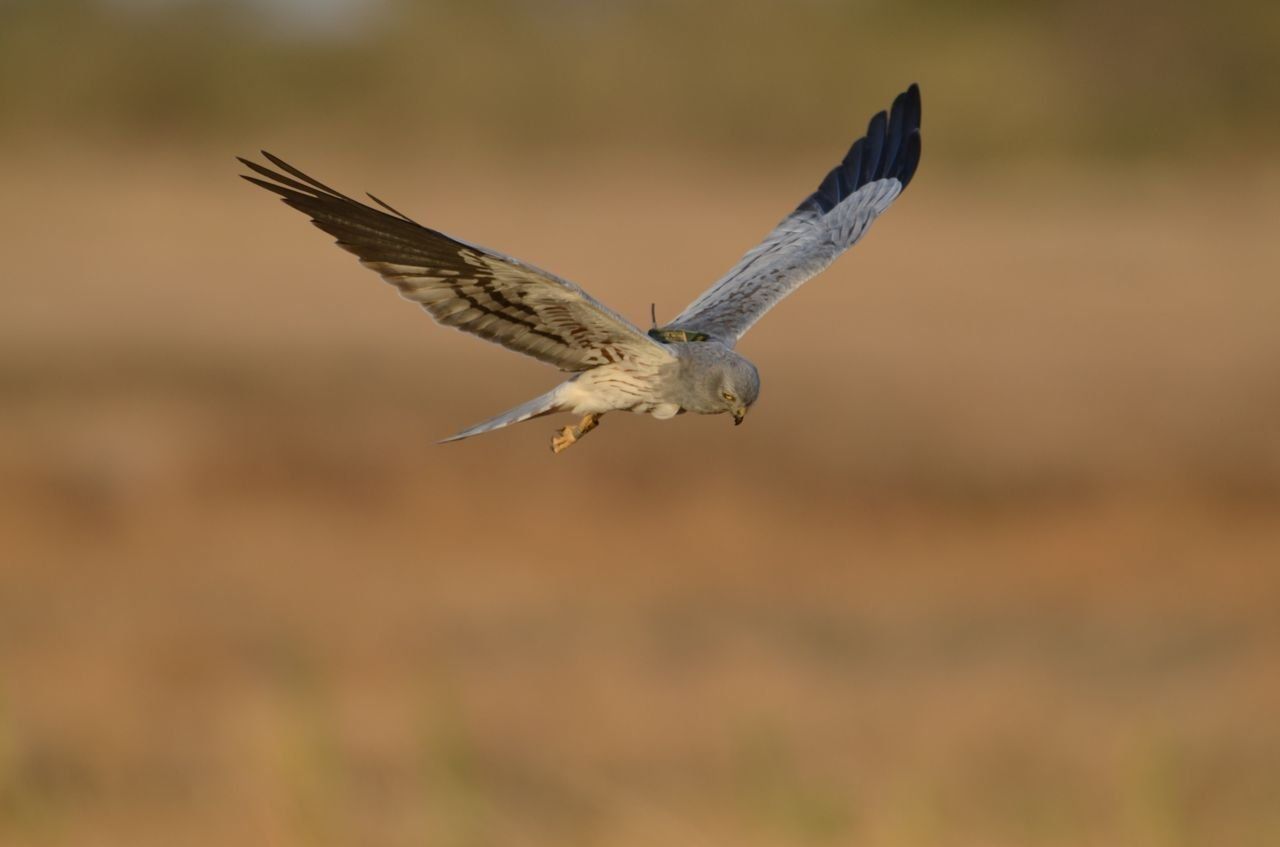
(728, 396)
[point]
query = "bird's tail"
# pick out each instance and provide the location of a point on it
(537, 407)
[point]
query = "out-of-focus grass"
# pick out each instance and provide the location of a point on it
(1003, 81)
(1094, 673)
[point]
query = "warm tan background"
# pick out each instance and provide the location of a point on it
(995, 561)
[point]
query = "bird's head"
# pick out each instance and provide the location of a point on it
(737, 388)
(712, 379)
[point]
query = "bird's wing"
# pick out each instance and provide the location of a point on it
(476, 290)
(831, 220)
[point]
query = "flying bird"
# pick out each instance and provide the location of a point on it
(688, 365)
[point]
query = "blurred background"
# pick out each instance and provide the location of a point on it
(993, 562)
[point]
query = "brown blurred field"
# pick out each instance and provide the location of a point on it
(994, 561)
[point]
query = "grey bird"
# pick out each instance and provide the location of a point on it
(689, 365)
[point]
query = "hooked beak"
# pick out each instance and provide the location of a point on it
(739, 414)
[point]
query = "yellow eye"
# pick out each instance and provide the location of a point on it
(728, 397)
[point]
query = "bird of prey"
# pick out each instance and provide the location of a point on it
(688, 365)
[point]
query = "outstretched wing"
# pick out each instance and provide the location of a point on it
(829, 221)
(473, 289)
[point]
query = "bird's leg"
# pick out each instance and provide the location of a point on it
(568, 436)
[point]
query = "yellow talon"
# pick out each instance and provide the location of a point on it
(568, 436)
(563, 440)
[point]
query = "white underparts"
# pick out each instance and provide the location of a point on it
(610, 388)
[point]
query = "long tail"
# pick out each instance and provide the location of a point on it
(538, 406)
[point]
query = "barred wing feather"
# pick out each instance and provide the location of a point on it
(474, 289)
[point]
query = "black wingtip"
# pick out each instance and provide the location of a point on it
(890, 149)
(877, 131)
(911, 159)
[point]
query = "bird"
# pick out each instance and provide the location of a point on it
(687, 365)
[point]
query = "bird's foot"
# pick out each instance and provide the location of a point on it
(569, 435)
(564, 439)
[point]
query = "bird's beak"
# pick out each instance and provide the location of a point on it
(739, 414)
